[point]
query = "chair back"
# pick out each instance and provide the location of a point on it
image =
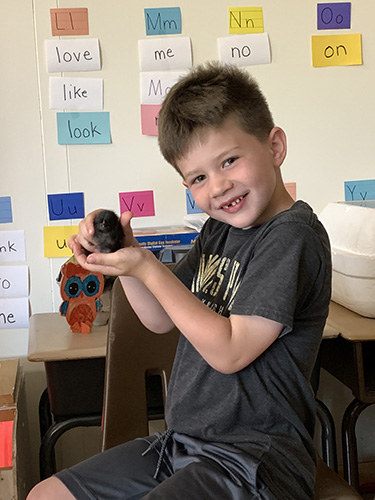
(135, 356)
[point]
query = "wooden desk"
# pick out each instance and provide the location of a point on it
(75, 366)
(348, 353)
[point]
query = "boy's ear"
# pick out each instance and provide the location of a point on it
(278, 144)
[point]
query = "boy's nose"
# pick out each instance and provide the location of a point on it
(219, 184)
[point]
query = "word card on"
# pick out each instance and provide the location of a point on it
(336, 50)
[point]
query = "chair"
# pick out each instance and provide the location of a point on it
(137, 358)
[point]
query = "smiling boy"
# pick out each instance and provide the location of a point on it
(250, 300)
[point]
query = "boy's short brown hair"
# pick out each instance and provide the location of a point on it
(204, 98)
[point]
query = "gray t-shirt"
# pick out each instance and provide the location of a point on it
(280, 270)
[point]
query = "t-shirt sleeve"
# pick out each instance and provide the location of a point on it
(284, 273)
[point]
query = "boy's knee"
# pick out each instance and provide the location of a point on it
(48, 489)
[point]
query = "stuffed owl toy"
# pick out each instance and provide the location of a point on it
(80, 290)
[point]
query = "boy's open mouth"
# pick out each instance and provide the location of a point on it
(234, 202)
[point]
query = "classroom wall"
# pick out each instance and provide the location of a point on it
(327, 114)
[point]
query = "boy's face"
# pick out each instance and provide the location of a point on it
(234, 177)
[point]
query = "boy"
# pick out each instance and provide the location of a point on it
(250, 299)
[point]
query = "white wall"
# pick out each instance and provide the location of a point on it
(326, 112)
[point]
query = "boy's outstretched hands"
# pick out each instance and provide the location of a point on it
(124, 262)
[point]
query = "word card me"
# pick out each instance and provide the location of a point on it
(66, 206)
(14, 281)
(334, 16)
(5, 209)
(56, 240)
(141, 203)
(162, 54)
(149, 118)
(83, 128)
(191, 206)
(155, 85)
(71, 21)
(245, 50)
(360, 190)
(336, 50)
(76, 93)
(73, 55)
(14, 313)
(244, 20)
(163, 21)
(12, 246)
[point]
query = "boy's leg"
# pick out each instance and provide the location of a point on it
(118, 473)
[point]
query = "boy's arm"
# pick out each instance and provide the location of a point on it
(227, 344)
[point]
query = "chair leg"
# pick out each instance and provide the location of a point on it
(329, 448)
(47, 464)
(349, 442)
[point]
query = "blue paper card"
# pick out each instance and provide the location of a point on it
(163, 21)
(360, 190)
(5, 209)
(334, 16)
(191, 206)
(83, 128)
(66, 206)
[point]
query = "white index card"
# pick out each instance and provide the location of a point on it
(14, 281)
(12, 246)
(245, 50)
(73, 55)
(162, 54)
(76, 93)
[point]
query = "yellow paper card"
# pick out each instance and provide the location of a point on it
(336, 50)
(56, 240)
(245, 20)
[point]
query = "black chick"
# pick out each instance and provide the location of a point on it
(109, 235)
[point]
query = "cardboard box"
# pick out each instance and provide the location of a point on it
(8, 381)
(157, 238)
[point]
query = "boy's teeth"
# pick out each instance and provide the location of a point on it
(234, 202)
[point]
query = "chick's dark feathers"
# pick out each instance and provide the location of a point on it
(109, 235)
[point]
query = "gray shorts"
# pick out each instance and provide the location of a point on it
(175, 466)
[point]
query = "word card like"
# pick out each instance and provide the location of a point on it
(163, 21)
(56, 240)
(5, 209)
(244, 20)
(14, 281)
(336, 50)
(155, 85)
(245, 50)
(70, 21)
(14, 313)
(334, 16)
(84, 128)
(141, 203)
(164, 54)
(12, 246)
(66, 206)
(149, 118)
(360, 190)
(76, 93)
(73, 55)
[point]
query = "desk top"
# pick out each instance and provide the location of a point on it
(50, 339)
(348, 324)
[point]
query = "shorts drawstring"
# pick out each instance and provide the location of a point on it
(163, 439)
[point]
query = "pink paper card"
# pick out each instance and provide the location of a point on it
(291, 187)
(71, 21)
(141, 203)
(149, 118)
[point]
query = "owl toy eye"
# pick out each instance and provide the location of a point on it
(73, 287)
(91, 285)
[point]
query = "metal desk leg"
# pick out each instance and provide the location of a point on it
(45, 416)
(349, 442)
(47, 448)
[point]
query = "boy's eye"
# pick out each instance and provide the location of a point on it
(229, 161)
(198, 179)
